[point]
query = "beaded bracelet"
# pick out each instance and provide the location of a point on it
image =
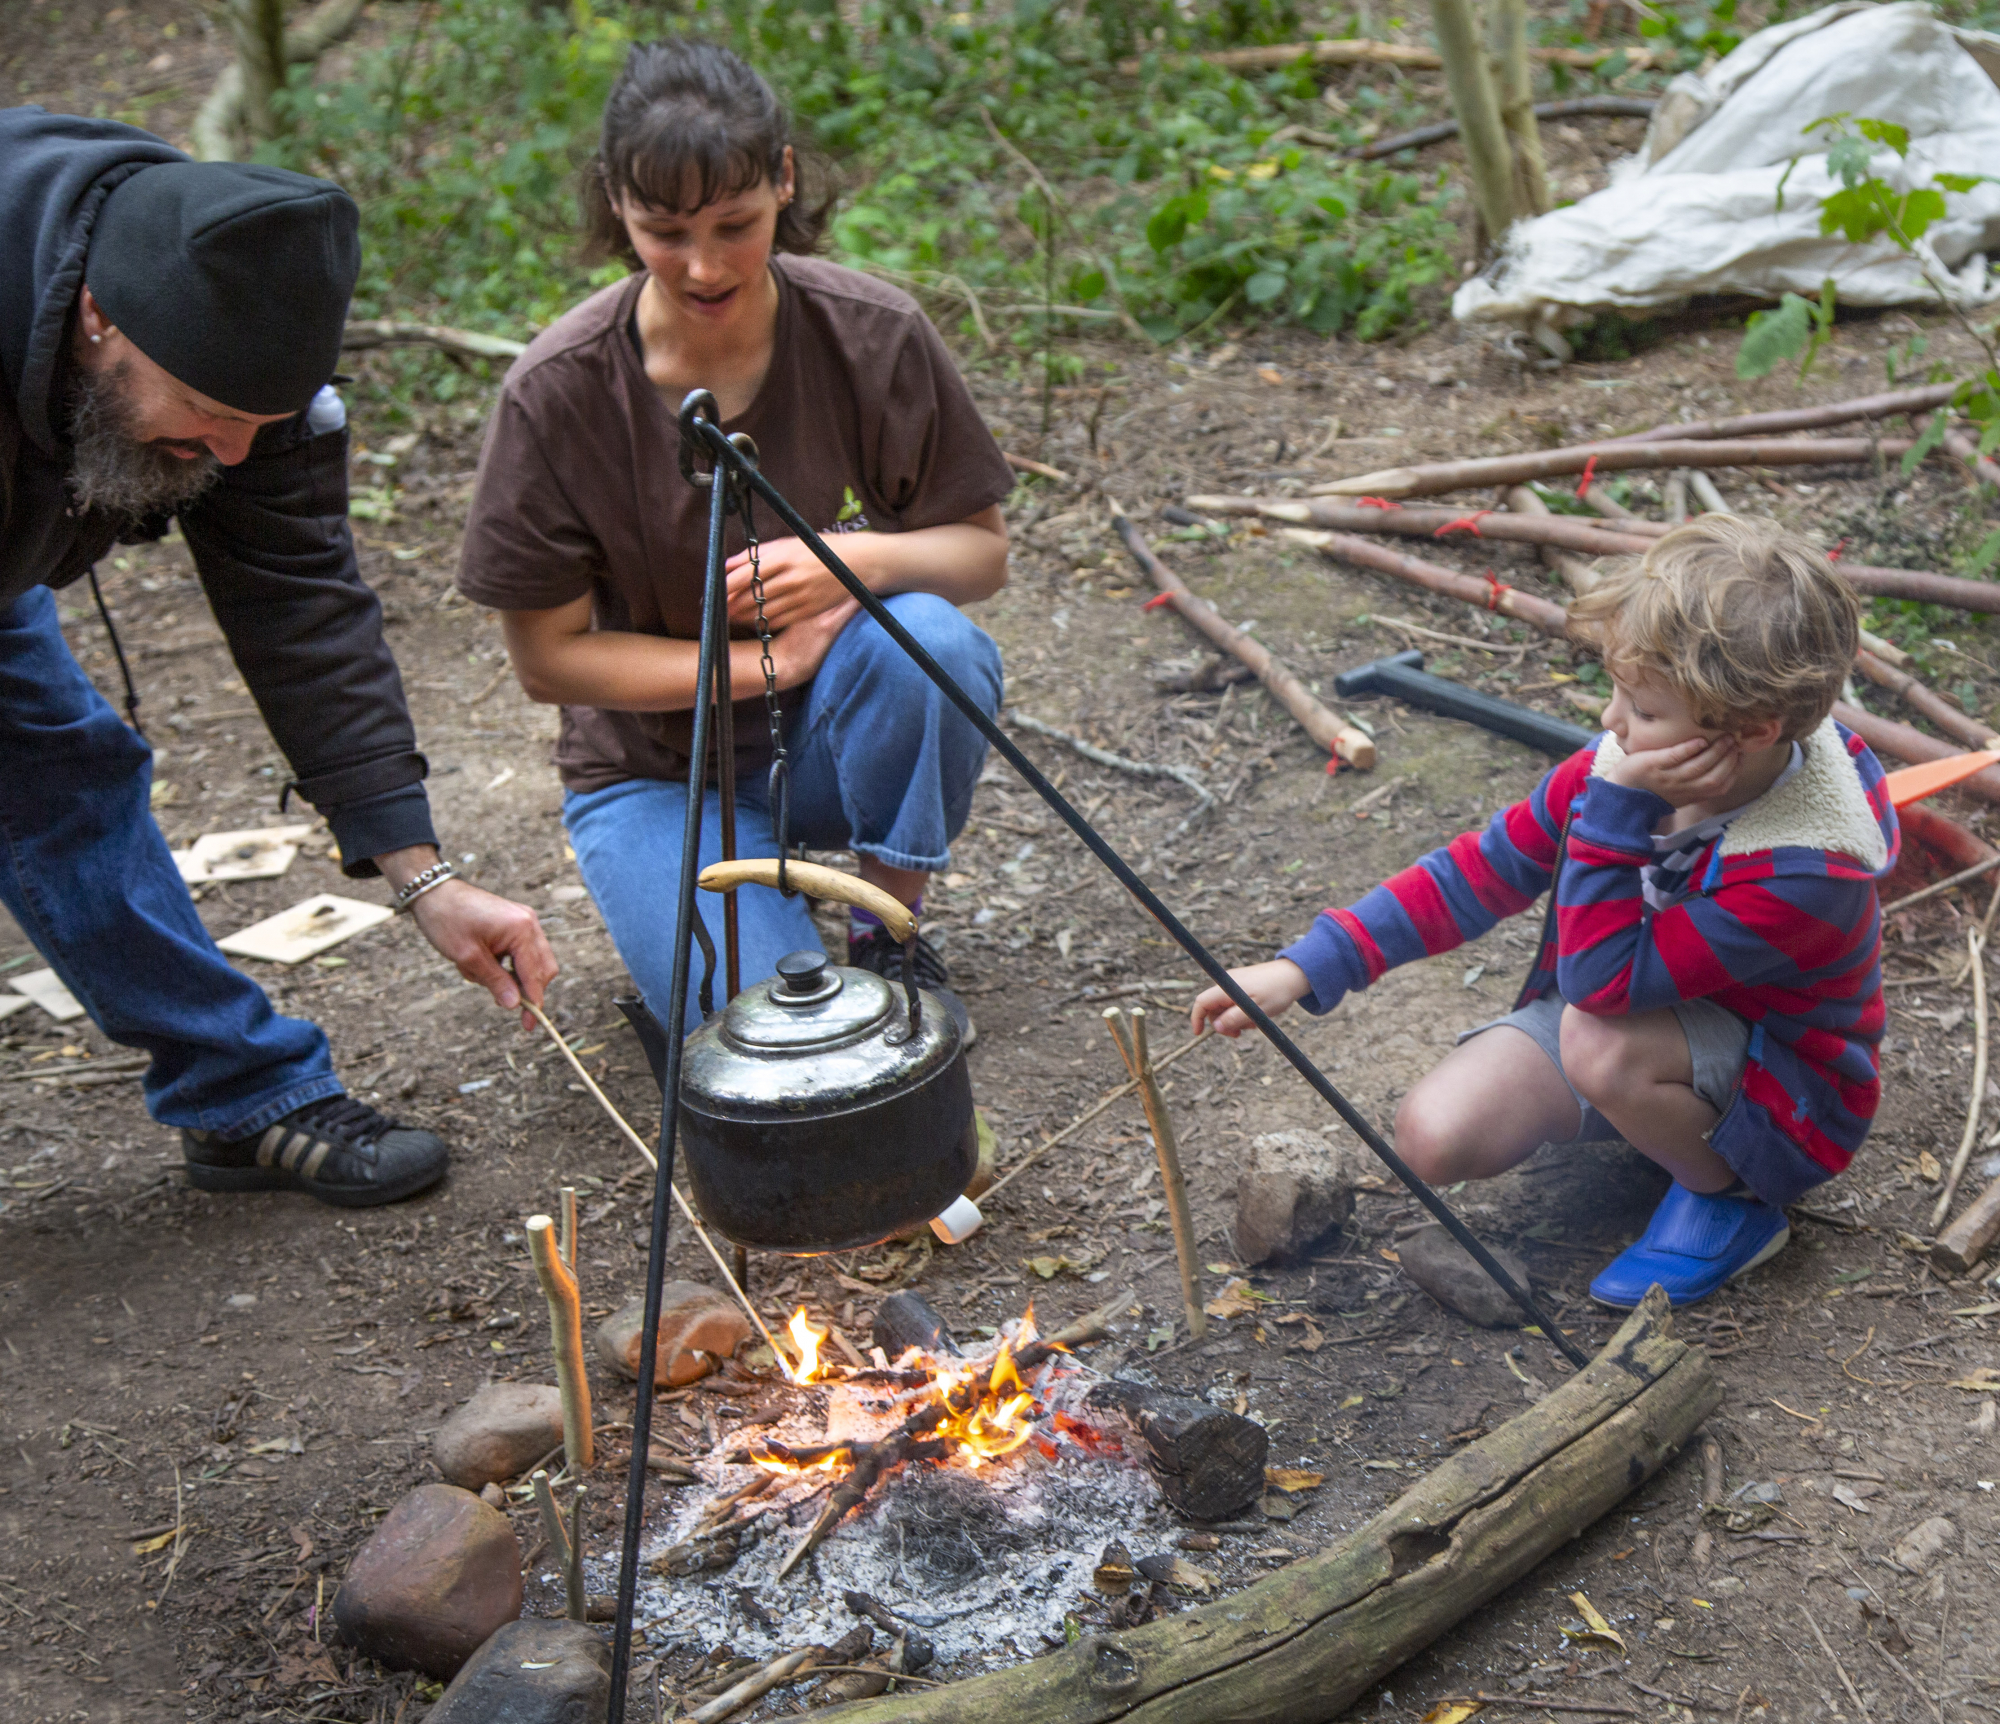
(418, 884)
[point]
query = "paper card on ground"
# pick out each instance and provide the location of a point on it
(296, 934)
(256, 855)
(45, 989)
(12, 1003)
(193, 869)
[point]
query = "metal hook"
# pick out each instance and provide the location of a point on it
(698, 405)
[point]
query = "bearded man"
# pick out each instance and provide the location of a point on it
(168, 334)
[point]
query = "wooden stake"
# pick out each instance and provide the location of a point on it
(1488, 160)
(1530, 608)
(1964, 1242)
(576, 1602)
(568, 1196)
(1577, 574)
(1138, 1061)
(1976, 946)
(1349, 742)
(566, 1333)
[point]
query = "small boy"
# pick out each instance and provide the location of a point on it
(1709, 984)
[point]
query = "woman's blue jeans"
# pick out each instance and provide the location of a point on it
(881, 763)
(87, 875)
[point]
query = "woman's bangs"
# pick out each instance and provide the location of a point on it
(683, 161)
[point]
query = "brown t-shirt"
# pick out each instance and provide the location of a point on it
(580, 491)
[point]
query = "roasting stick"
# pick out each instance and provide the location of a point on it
(1975, 942)
(653, 1161)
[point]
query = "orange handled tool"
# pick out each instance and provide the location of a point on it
(1909, 784)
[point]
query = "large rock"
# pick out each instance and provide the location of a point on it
(535, 1671)
(699, 1328)
(1444, 1269)
(498, 1434)
(1293, 1189)
(433, 1582)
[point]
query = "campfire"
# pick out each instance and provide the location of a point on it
(979, 1492)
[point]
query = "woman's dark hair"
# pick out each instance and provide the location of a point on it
(686, 113)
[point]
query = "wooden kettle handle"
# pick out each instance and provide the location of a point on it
(820, 882)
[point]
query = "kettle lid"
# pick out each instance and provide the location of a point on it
(809, 1003)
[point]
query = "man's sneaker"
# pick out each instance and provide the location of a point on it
(1692, 1246)
(877, 950)
(339, 1150)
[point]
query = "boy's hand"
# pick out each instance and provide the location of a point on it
(1274, 986)
(1699, 770)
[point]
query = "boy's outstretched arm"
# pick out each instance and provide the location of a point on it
(1274, 986)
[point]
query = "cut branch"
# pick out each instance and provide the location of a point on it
(1976, 948)
(1906, 743)
(1488, 595)
(1881, 406)
(1964, 1242)
(1351, 744)
(1332, 1625)
(1138, 1060)
(566, 1335)
(1576, 107)
(1437, 476)
(1926, 701)
(364, 333)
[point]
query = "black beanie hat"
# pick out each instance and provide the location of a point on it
(233, 278)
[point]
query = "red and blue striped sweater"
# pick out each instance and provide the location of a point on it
(1781, 925)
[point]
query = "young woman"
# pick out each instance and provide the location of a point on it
(590, 544)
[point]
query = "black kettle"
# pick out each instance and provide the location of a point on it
(823, 1109)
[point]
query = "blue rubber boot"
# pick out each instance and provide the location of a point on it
(1692, 1246)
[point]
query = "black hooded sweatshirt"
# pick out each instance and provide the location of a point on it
(270, 539)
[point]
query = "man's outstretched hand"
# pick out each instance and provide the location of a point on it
(477, 930)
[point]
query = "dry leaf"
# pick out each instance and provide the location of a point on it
(1237, 1299)
(1927, 1167)
(1850, 1498)
(1114, 1574)
(1451, 1711)
(146, 1546)
(1600, 1630)
(1982, 1381)
(1292, 1478)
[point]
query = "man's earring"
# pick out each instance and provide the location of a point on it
(95, 339)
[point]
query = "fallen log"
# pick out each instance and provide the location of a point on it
(1209, 1461)
(365, 332)
(1480, 470)
(1488, 594)
(907, 1319)
(1303, 1644)
(1906, 743)
(1966, 1240)
(1880, 406)
(1360, 51)
(1352, 745)
(1985, 470)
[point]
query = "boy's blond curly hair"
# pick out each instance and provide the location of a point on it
(1741, 619)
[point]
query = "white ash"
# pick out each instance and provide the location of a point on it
(985, 1559)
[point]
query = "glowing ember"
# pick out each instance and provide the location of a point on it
(807, 1340)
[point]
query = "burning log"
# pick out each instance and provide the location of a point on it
(1307, 1641)
(984, 1410)
(1209, 1461)
(907, 1319)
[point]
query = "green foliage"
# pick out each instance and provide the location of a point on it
(462, 136)
(1798, 326)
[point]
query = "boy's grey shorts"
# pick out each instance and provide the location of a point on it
(1718, 1043)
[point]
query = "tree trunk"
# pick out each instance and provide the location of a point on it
(1474, 101)
(259, 29)
(1302, 1645)
(1517, 107)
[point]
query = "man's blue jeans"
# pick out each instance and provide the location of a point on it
(87, 875)
(881, 763)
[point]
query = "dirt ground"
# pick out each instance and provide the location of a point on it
(264, 1374)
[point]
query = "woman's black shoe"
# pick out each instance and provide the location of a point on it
(339, 1150)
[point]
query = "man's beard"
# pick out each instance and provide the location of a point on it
(115, 471)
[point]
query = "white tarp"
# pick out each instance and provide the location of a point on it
(1697, 210)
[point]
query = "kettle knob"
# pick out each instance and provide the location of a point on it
(802, 972)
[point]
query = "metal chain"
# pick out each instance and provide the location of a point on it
(781, 772)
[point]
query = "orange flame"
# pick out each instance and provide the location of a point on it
(998, 1419)
(807, 1340)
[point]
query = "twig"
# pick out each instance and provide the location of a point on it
(1422, 633)
(566, 1335)
(653, 1161)
(1104, 1102)
(1542, 1703)
(1360, 51)
(1041, 469)
(1846, 1681)
(1351, 744)
(1895, 1664)
(565, 1540)
(1945, 885)
(576, 1602)
(1138, 1061)
(1628, 107)
(1138, 768)
(1975, 940)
